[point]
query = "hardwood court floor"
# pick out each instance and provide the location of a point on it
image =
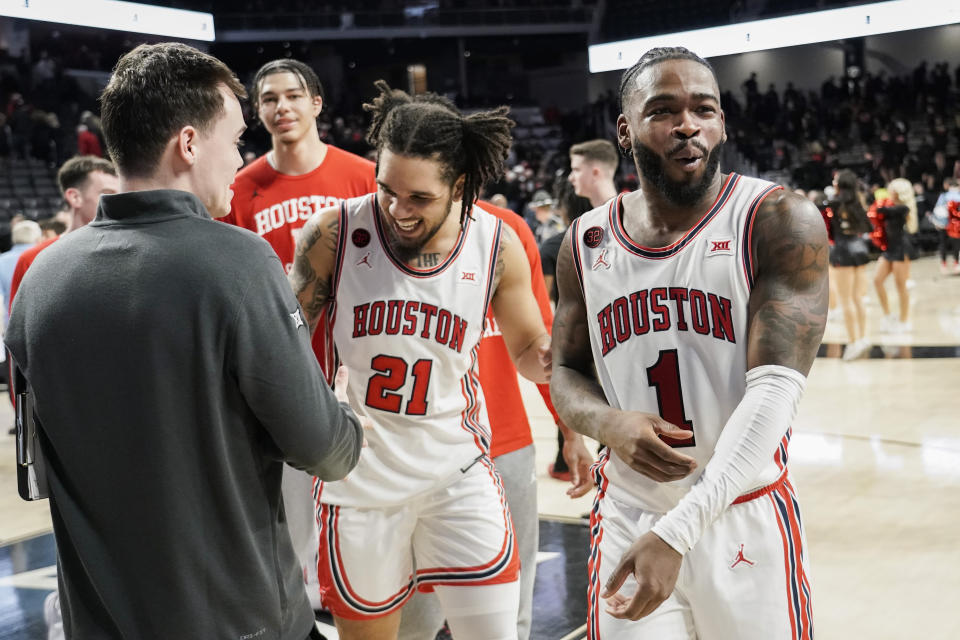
(875, 458)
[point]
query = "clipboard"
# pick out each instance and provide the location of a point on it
(31, 465)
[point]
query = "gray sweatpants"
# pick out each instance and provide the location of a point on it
(422, 617)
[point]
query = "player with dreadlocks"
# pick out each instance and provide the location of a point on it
(410, 271)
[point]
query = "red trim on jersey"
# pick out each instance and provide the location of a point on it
(469, 385)
(411, 271)
(747, 249)
(492, 269)
(575, 250)
(341, 244)
(659, 253)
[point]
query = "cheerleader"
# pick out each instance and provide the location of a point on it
(897, 219)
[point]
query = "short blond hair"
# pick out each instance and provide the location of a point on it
(600, 151)
(25, 232)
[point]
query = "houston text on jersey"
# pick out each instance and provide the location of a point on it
(291, 210)
(660, 308)
(409, 317)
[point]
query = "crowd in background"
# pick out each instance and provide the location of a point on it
(880, 126)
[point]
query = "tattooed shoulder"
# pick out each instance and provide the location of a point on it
(789, 301)
(789, 233)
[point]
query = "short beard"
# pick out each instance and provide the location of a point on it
(684, 194)
(407, 252)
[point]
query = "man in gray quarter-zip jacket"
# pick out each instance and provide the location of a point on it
(173, 377)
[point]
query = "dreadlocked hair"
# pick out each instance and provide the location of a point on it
(430, 126)
(655, 56)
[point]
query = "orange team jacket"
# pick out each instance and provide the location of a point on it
(508, 419)
(275, 206)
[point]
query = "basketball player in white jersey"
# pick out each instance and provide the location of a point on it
(701, 300)
(410, 271)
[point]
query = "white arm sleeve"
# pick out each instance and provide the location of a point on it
(746, 445)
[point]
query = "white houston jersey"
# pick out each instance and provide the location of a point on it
(668, 328)
(409, 339)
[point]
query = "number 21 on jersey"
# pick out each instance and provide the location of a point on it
(664, 377)
(391, 376)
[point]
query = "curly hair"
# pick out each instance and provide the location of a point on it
(430, 126)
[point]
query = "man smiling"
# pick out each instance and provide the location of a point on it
(699, 301)
(278, 192)
(412, 270)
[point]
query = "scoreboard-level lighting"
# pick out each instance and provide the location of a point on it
(789, 31)
(113, 14)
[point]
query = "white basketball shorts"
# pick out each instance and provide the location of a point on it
(746, 578)
(372, 559)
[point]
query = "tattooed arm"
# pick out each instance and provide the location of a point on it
(517, 312)
(788, 304)
(633, 436)
(313, 263)
(786, 316)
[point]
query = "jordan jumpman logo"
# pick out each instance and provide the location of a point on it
(740, 558)
(601, 261)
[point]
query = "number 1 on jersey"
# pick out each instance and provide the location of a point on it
(664, 376)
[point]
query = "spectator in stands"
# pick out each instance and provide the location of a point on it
(82, 180)
(6, 142)
(499, 200)
(87, 142)
(568, 206)
(21, 125)
(542, 220)
(25, 234)
(899, 214)
(946, 218)
(92, 122)
(593, 165)
(50, 228)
